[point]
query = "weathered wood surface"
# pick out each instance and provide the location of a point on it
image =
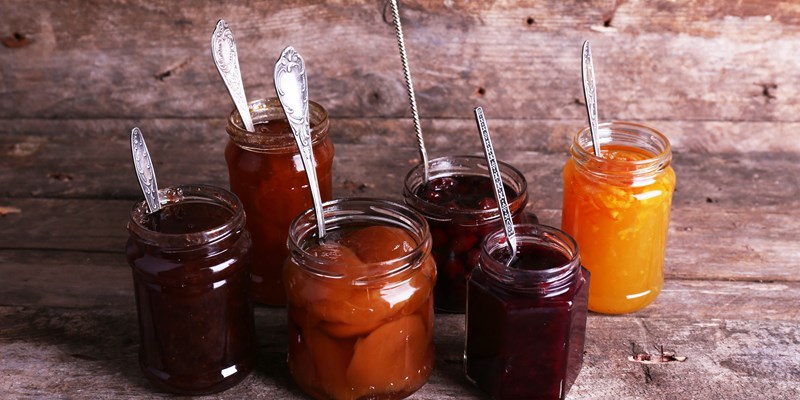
(717, 77)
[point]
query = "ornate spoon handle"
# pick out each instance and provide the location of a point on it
(144, 170)
(292, 88)
(223, 49)
(590, 94)
(497, 182)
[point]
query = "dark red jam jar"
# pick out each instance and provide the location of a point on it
(192, 285)
(266, 173)
(526, 322)
(458, 203)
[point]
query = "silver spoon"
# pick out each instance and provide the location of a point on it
(144, 170)
(590, 94)
(398, 28)
(223, 49)
(292, 88)
(497, 183)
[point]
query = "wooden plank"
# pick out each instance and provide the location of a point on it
(703, 243)
(34, 278)
(729, 356)
(41, 166)
(707, 61)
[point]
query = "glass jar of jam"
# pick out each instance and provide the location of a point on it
(360, 302)
(458, 203)
(192, 285)
(267, 174)
(526, 320)
(617, 209)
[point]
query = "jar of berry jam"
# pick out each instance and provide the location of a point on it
(192, 285)
(360, 302)
(617, 209)
(268, 176)
(526, 320)
(458, 203)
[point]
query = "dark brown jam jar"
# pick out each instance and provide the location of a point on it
(526, 320)
(458, 203)
(266, 173)
(192, 284)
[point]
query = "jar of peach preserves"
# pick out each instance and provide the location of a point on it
(267, 175)
(617, 209)
(360, 303)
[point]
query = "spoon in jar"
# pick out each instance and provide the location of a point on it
(590, 94)
(497, 183)
(223, 49)
(144, 170)
(398, 28)
(292, 87)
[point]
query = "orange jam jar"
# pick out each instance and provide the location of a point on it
(617, 209)
(267, 174)
(360, 303)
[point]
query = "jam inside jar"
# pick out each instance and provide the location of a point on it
(267, 174)
(526, 320)
(190, 272)
(617, 208)
(458, 203)
(360, 303)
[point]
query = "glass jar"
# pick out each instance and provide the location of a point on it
(526, 323)
(191, 279)
(617, 209)
(267, 174)
(458, 203)
(360, 304)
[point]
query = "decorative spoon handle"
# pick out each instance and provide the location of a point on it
(292, 88)
(398, 28)
(223, 49)
(497, 182)
(590, 94)
(144, 170)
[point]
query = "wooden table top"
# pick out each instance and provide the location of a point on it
(719, 78)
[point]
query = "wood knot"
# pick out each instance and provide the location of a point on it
(16, 41)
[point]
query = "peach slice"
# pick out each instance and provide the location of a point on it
(376, 244)
(331, 357)
(390, 358)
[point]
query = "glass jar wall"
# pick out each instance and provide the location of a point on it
(267, 174)
(617, 208)
(360, 302)
(192, 285)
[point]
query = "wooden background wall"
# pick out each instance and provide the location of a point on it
(718, 77)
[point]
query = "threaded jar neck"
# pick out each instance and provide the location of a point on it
(651, 144)
(549, 282)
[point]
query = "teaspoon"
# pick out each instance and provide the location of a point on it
(590, 94)
(144, 170)
(292, 87)
(497, 183)
(223, 49)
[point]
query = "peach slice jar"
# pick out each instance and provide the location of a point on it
(360, 303)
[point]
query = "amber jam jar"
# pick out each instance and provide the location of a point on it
(526, 321)
(458, 203)
(361, 303)
(192, 285)
(266, 173)
(617, 209)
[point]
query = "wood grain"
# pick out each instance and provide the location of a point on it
(717, 77)
(134, 60)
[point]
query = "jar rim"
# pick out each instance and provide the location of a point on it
(630, 134)
(550, 281)
(341, 212)
(463, 165)
(270, 109)
(188, 193)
